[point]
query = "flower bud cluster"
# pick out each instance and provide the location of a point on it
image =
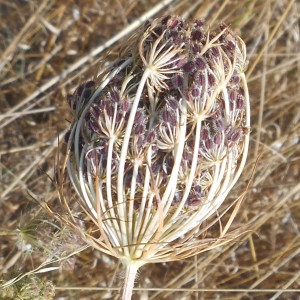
(158, 141)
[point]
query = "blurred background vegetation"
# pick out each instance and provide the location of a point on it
(47, 47)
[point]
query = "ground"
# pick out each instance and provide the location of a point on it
(46, 49)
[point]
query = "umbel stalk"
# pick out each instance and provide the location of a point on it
(128, 284)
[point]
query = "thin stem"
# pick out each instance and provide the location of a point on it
(130, 275)
(169, 191)
(192, 170)
(247, 136)
(122, 209)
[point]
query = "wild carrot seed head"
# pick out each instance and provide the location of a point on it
(158, 143)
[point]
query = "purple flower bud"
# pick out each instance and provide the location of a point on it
(181, 62)
(189, 67)
(139, 117)
(87, 93)
(235, 79)
(240, 102)
(88, 116)
(235, 135)
(140, 142)
(200, 63)
(211, 79)
(165, 20)
(177, 81)
(95, 112)
(173, 103)
(197, 190)
(204, 134)
(228, 130)
(196, 48)
(150, 136)
(214, 52)
(139, 129)
(90, 84)
(168, 164)
(114, 95)
(186, 155)
(197, 35)
(233, 95)
(80, 90)
(218, 124)
(109, 109)
(194, 92)
(175, 22)
(221, 105)
(193, 202)
(201, 80)
(230, 46)
(93, 126)
(156, 167)
(241, 91)
(177, 197)
(158, 30)
(218, 138)
(198, 23)
(208, 144)
(125, 105)
(168, 117)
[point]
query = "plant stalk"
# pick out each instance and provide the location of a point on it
(128, 284)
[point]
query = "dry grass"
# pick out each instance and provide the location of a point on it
(46, 49)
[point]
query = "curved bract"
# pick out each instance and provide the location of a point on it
(158, 142)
